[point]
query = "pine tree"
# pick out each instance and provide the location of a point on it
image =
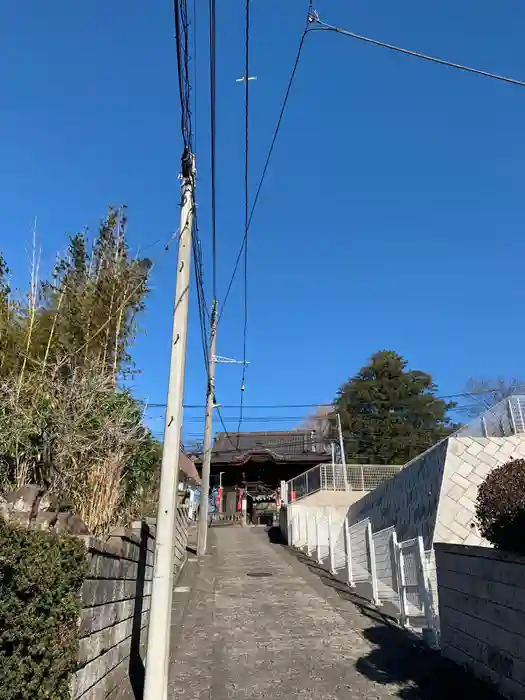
(390, 414)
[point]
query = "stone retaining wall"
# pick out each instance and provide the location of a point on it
(482, 613)
(116, 598)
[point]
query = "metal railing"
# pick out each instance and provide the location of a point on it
(501, 420)
(335, 477)
(400, 575)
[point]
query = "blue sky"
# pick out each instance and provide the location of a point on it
(393, 211)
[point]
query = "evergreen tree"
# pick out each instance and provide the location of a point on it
(390, 414)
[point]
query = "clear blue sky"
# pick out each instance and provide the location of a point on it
(392, 215)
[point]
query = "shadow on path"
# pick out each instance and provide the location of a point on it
(423, 674)
(397, 656)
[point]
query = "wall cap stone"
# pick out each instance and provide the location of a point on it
(479, 552)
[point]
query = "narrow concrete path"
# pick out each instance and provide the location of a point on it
(278, 636)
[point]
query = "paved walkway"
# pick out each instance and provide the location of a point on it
(288, 635)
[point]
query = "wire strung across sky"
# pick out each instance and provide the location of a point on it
(212, 144)
(180, 11)
(313, 23)
(265, 168)
(323, 26)
(463, 394)
(246, 197)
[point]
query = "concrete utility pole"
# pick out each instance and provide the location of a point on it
(206, 463)
(156, 680)
(342, 448)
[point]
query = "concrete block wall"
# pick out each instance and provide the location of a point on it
(468, 461)
(408, 501)
(482, 613)
(434, 495)
(116, 598)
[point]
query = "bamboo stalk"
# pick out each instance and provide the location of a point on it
(32, 309)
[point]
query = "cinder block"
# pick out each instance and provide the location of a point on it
(456, 492)
(463, 516)
(465, 469)
(460, 480)
(467, 503)
(475, 448)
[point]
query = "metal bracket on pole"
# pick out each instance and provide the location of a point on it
(220, 360)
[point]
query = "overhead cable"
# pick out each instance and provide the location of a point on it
(323, 26)
(212, 138)
(265, 168)
(246, 198)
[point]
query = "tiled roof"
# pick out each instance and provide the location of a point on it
(291, 445)
(187, 466)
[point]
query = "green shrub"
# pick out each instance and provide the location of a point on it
(40, 578)
(500, 507)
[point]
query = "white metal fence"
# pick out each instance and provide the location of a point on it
(400, 576)
(337, 477)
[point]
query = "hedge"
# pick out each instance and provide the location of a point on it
(40, 578)
(500, 507)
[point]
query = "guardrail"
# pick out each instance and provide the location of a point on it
(337, 477)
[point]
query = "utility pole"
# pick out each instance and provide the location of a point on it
(206, 463)
(156, 680)
(342, 448)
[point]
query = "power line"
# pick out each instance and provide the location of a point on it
(180, 11)
(212, 137)
(235, 447)
(463, 394)
(364, 438)
(265, 168)
(246, 196)
(195, 70)
(415, 54)
(203, 311)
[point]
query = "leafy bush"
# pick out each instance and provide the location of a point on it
(40, 578)
(500, 507)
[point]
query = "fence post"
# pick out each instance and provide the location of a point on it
(520, 413)
(318, 540)
(331, 552)
(401, 582)
(373, 569)
(348, 555)
(423, 582)
(362, 478)
(511, 415)
(289, 523)
(308, 534)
